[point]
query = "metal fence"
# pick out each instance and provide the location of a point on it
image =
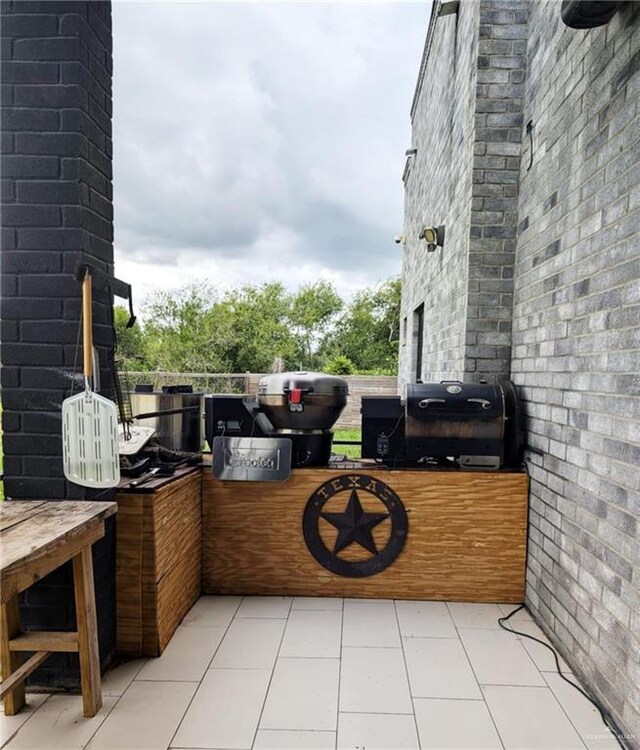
(238, 383)
(201, 381)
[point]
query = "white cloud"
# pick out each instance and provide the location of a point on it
(261, 141)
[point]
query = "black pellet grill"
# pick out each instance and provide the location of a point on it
(477, 425)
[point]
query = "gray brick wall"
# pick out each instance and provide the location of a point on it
(576, 345)
(467, 128)
(56, 205)
(545, 285)
(501, 66)
(438, 185)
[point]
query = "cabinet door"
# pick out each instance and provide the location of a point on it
(176, 522)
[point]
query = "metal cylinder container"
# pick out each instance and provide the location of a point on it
(180, 431)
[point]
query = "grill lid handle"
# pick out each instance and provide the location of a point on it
(484, 404)
(426, 402)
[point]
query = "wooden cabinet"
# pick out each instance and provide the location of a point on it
(158, 561)
(466, 539)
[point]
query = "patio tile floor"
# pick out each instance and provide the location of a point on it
(277, 673)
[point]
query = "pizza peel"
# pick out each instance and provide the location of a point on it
(90, 421)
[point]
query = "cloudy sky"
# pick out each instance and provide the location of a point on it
(261, 141)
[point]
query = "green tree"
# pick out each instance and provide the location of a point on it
(192, 330)
(255, 328)
(313, 311)
(367, 333)
(179, 336)
(257, 319)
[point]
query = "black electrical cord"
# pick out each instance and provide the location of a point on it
(394, 460)
(605, 718)
(395, 427)
(530, 131)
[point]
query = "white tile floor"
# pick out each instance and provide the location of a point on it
(278, 673)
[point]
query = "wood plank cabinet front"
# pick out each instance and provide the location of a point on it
(466, 534)
(158, 563)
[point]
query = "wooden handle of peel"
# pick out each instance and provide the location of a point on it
(87, 332)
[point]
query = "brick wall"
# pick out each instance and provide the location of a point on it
(438, 184)
(576, 345)
(553, 297)
(467, 128)
(496, 160)
(56, 192)
(56, 169)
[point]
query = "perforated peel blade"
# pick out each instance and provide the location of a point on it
(90, 440)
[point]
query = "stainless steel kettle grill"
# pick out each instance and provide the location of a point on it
(304, 406)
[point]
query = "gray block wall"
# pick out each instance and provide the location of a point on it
(543, 284)
(467, 129)
(56, 208)
(438, 184)
(576, 345)
(498, 123)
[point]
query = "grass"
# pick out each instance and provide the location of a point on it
(351, 451)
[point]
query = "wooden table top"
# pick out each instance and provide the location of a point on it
(31, 528)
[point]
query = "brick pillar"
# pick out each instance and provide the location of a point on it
(57, 206)
(501, 64)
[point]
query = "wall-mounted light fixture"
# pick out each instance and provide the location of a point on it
(400, 238)
(411, 152)
(434, 237)
(447, 9)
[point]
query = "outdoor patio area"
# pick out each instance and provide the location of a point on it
(277, 672)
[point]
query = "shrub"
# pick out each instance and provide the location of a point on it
(340, 365)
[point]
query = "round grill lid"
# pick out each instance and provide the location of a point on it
(318, 383)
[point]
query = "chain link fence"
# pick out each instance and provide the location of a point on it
(201, 381)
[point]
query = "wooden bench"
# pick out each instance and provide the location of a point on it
(36, 537)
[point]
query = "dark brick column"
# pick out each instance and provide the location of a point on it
(57, 208)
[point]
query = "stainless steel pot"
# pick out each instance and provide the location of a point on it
(302, 400)
(181, 430)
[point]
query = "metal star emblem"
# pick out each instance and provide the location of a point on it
(354, 525)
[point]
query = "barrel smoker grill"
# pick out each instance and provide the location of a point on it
(479, 425)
